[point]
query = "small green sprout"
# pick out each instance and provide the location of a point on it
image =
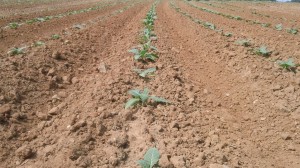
(266, 24)
(243, 42)
(292, 30)
(147, 34)
(145, 72)
(210, 25)
(263, 51)
(228, 34)
(30, 21)
(142, 97)
(38, 43)
(288, 65)
(55, 36)
(278, 27)
(146, 53)
(237, 18)
(151, 158)
(16, 51)
(14, 25)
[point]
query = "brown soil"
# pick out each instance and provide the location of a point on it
(23, 12)
(262, 17)
(283, 44)
(280, 12)
(229, 108)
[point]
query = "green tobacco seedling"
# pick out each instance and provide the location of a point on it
(292, 30)
(151, 158)
(145, 72)
(243, 42)
(146, 53)
(55, 36)
(14, 25)
(278, 27)
(210, 25)
(237, 18)
(142, 97)
(39, 43)
(16, 51)
(263, 51)
(265, 24)
(228, 34)
(288, 65)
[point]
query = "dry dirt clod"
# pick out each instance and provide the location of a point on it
(5, 109)
(74, 80)
(200, 160)
(56, 55)
(120, 140)
(102, 68)
(165, 162)
(285, 136)
(25, 152)
(78, 125)
(178, 161)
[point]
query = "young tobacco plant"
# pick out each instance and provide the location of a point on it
(228, 34)
(55, 36)
(263, 51)
(147, 34)
(278, 27)
(145, 53)
(210, 25)
(266, 24)
(39, 43)
(292, 30)
(144, 73)
(14, 25)
(243, 42)
(16, 51)
(142, 97)
(151, 158)
(288, 65)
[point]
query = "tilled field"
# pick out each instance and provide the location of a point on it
(66, 71)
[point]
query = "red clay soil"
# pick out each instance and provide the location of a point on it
(60, 107)
(281, 12)
(283, 44)
(17, 38)
(247, 14)
(24, 12)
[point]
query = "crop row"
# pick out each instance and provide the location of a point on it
(144, 54)
(22, 50)
(261, 51)
(277, 27)
(15, 25)
(252, 11)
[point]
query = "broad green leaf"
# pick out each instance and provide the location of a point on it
(151, 56)
(147, 71)
(278, 27)
(138, 70)
(152, 156)
(137, 56)
(144, 96)
(132, 102)
(153, 48)
(144, 164)
(135, 93)
(143, 52)
(158, 99)
(134, 51)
